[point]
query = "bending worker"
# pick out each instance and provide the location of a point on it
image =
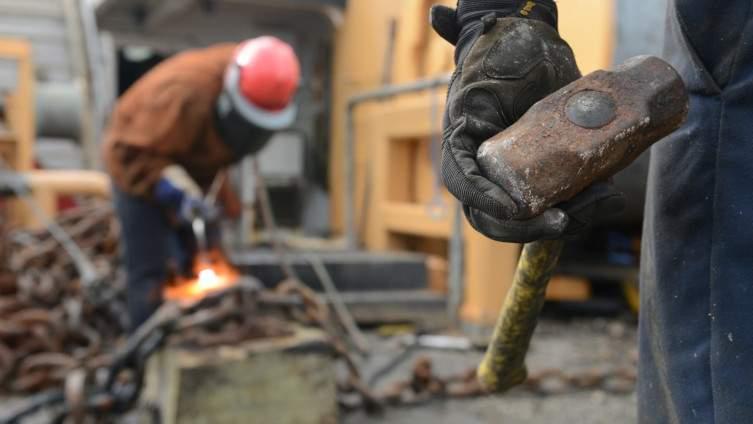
(696, 344)
(172, 132)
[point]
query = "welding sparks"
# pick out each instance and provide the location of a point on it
(213, 274)
(208, 280)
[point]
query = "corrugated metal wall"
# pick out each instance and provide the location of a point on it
(42, 22)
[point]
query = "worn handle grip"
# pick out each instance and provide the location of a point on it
(503, 366)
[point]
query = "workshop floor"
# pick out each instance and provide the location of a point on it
(569, 345)
(572, 346)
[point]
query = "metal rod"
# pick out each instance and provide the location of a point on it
(34, 404)
(351, 236)
(338, 304)
(199, 227)
(456, 259)
(214, 189)
(84, 266)
(268, 218)
(330, 290)
(248, 201)
(78, 45)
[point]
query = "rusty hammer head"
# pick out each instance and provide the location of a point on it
(583, 133)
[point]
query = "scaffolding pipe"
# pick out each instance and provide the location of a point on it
(383, 93)
(456, 255)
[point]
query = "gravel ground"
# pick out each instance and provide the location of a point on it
(571, 346)
(582, 408)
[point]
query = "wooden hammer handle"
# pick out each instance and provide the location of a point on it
(503, 366)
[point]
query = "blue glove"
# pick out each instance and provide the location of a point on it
(167, 194)
(192, 208)
(186, 207)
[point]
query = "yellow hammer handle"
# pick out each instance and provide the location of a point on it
(503, 366)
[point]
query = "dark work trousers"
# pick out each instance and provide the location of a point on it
(148, 245)
(696, 324)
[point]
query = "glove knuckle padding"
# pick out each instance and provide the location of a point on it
(483, 111)
(520, 45)
(517, 63)
(507, 69)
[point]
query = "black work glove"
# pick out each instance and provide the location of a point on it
(508, 58)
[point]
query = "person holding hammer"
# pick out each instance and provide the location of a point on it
(697, 265)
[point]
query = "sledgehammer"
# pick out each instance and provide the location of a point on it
(583, 133)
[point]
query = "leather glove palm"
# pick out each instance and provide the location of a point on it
(504, 66)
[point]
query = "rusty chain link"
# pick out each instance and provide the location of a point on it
(237, 314)
(47, 326)
(424, 385)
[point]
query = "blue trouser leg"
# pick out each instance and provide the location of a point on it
(696, 326)
(146, 246)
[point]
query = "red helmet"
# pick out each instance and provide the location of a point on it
(269, 72)
(258, 91)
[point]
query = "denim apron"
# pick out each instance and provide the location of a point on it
(696, 324)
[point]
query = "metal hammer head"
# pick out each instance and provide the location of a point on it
(583, 133)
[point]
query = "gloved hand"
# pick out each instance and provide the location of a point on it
(508, 57)
(176, 191)
(194, 207)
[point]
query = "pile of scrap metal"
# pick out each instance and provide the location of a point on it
(63, 338)
(47, 326)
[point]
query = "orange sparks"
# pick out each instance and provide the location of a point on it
(213, 274)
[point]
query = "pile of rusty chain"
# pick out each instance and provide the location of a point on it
(240, 313)
(424, 385)
(56, 335)
(47, 326)
(111, 387)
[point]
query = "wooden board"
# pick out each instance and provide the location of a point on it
(18, 125)
(590, 28)
(287, 381)
(48, 185)
(567, 288)
(359, 60)
(20, 120)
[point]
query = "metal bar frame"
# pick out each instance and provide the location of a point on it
(383, 93)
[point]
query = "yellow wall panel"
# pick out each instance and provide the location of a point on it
(361, 52)
(590, 28)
